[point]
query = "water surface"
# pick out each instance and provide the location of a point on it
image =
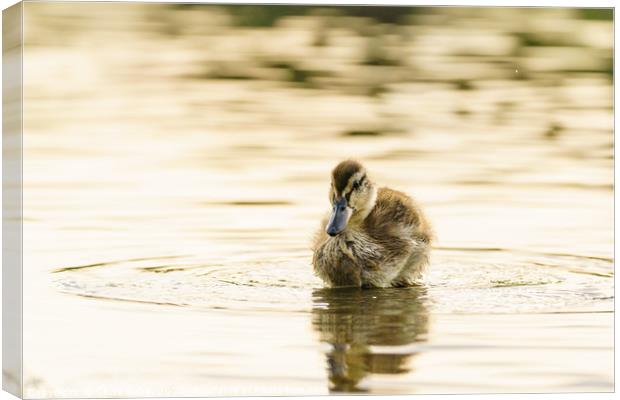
(177, 166)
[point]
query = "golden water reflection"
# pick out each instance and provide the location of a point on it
(369, 332)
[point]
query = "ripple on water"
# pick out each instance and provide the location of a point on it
(459, 281)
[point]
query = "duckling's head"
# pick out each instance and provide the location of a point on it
(352, 195)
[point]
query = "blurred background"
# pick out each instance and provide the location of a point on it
(177, 161)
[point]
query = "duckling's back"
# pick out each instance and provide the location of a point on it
(397, 214)
(402, 232)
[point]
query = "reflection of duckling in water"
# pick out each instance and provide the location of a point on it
(374, 237)
(356, 323)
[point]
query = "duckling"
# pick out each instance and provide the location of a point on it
(374, 237)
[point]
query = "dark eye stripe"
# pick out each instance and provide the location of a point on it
(359, 183)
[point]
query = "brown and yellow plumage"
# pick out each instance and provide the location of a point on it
(374, 237)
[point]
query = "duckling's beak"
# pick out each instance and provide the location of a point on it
(339, 218)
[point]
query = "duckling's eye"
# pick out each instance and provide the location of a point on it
(356, 185)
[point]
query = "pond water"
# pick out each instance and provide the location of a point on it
(177, 166)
